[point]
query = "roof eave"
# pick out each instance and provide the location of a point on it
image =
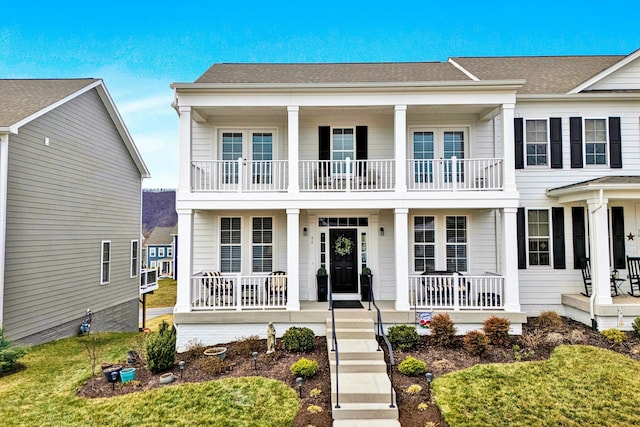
(607, 72)
(600, 96)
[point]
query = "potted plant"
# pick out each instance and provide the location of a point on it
(365, 283)
(219, 352)
(322, 280)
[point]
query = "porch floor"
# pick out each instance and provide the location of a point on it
(630, 305)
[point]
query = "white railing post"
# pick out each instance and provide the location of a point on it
(348, 174)
(456, 291)
(240, 173)
(454, 172)
(237, 291)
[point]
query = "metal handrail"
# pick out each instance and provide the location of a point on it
(380, 333)
(334, 341)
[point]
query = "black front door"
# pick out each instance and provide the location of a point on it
(344, 256)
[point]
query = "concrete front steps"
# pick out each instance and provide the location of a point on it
(364, 386)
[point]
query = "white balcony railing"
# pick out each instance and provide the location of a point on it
(347, 175)
(454, 174)
(148, 280)
(456, 292)
(239, 175)
(215, 291)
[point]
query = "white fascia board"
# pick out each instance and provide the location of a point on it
(588, 96)
(122, 129)
(615, 67)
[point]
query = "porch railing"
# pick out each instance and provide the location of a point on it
(215, 291)
(347, 175)
(454, 174)
(456, 292)
(239, 175)
(148, 280)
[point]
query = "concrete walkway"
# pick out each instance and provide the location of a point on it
(155, 312)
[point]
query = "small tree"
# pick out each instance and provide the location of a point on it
(93, 348)
(443, 331)
(161, 348)
(9, 354)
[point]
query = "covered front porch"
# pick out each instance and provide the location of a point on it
(619, 314)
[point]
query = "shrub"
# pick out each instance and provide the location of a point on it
(497, 330)
(248, 345)
(532, 339)
(636, 325)
(614, 335)
(554, 338)
(304, 367)
(161, 348)
(444, 365)
(423, 406)
(9, 354)
(549, 320)
(576, 336)
(210, 365)
(442, 330)
(314, 409)
(298, 339)
(414, 389)
(315, 392)
(475, 342)
(403, 337)
(520, 354)
(411, 366)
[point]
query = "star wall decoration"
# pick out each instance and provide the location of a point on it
(630, 236)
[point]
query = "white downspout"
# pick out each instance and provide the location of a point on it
(594, 291)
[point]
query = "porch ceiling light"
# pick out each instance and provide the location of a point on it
(304, 231)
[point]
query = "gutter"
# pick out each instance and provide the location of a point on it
(594, 289)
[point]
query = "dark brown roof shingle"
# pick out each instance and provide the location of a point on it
(23, 97)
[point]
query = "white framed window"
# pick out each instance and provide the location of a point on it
(456, 246)
(152, 252)
(595, 141)
(429, 144)
(257, 144)
(170, 251)
(343, 146)
(538, 237)
(160, 252)
(424, 243)
(230, 244)
(105, 262)
(153, 264)
(262, 245)
(134, 258)
(537, 142)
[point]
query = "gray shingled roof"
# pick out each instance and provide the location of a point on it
(616, 180)
(543, 74)
(161, 236)
(22, 98)
(332, 73)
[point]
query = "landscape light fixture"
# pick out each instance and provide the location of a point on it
(255, 360)
(181, 365)
(114, 378)
(429, 377)
(299, 382)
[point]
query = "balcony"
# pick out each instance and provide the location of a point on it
(347, 175)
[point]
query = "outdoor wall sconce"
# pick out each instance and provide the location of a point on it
(299, 382)
(255, 360)
(382, 231)
(304, 231)
(181, 365)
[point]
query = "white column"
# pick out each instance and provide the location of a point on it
(401, 234)
(293, 259)
(510, 259)
(400, 145)
(185, 264)
(508, 147)
(599, 250)
(184, 150)
(293, 136)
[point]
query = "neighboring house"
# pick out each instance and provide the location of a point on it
(70, 209)
(475, 186)
(159, 248)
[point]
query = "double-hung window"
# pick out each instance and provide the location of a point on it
(230, 245)
(456, 243)
(160, 252)
(134, 258)
(343, 147)
(424, 247)
(539, 239)
(595, 141)
(152, 252)
(262, 240)
(105, 262)
(537, 138)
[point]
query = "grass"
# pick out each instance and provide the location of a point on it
(154, 323)
(164, 296)
(577, 386)
(44, 394)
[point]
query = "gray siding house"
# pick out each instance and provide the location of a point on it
(70, 210)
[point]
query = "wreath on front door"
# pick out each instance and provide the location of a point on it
(343, 246)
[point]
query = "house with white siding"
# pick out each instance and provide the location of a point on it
(475, 186)
(70, 210)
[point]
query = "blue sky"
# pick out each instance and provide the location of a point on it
(139, 47)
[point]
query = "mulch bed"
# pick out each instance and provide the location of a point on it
(440, 361)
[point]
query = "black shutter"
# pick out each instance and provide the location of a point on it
(557, 216)
(522, 241)
(575, 141)
(518, 137)
(615, 142)
(361, 149)
(579, 236)
(555, 125)
(618, 240)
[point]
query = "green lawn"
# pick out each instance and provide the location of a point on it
(43, 394)
(164, 296)
(577, 386)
